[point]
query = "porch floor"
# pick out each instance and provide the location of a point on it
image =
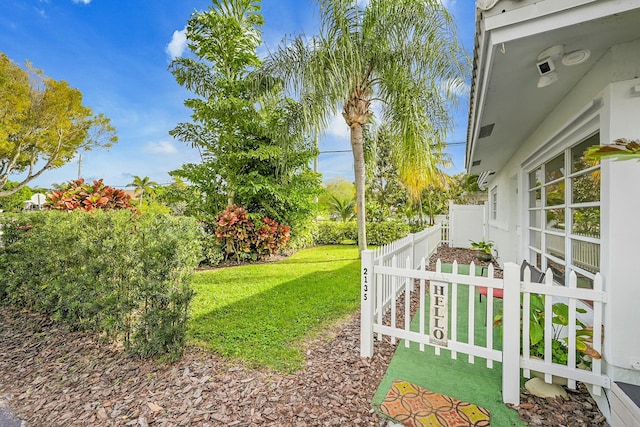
(474, 383)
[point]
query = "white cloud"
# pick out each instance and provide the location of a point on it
(178, 43)
(160, 147)
(338, 127)
(82, 1)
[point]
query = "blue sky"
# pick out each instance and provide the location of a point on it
(117, 53)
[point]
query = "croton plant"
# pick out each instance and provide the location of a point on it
(78, 195)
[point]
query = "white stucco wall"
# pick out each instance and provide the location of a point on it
(620, 218)
(616, 114)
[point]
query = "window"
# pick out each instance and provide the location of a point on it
(493, 197)
(564, 214)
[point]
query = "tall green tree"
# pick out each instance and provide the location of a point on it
(143, 185)
(180, 197)
(338, 187)
(385, 193)
(253, 151)
(403, 54)
(43, 124)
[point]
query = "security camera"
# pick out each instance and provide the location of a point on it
(545, 66)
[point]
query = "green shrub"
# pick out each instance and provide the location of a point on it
(212, 250)
(126, 275)
(381, 233)
(335, 233)
(378, 233)
(303, 236)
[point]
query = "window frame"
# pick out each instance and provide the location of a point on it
(561, 237)
(493, 203)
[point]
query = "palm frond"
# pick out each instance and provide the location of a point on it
(621, 149)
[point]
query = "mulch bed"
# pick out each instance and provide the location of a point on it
(50, 376)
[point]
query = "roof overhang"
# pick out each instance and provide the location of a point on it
(506, 103)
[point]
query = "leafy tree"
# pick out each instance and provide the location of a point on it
(403, 53)
(253, 153)
(338, 187)
(435, 201)
(43, 124)
(385, 193)
(181, 198)
(463, 189)
(15, 201)
(143, 185)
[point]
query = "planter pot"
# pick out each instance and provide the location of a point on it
(483, 256)
(554, 379)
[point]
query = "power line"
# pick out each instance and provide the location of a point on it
(335, 151)
(448, 144)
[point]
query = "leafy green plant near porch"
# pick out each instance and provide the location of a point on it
(484, 248)
(559, 345)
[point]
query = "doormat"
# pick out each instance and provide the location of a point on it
(414, 406)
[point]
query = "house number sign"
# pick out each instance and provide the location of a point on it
(365, 284)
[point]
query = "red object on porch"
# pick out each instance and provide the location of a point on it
(483, 290)
(537, 276)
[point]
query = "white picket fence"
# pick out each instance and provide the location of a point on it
(390, 273)
(574, 297)
(408, 249)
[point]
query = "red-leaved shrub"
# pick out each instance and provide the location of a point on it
(86, 197)
(244, 238)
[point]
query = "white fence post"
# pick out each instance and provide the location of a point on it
(413, 251)
(367, 301)
(511, 334)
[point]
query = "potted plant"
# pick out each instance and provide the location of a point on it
(484, 249)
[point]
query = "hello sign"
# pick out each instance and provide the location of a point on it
(439, 313)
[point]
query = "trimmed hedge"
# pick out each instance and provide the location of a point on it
(126, 275)
(378, 233)
(382, 233)
(335, 233)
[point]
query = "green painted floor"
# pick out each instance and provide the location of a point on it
(474, 383)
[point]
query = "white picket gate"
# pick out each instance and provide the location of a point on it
(390, 273)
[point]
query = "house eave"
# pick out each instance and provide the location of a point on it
(515, 32)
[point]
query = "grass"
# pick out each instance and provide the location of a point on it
(262, 313)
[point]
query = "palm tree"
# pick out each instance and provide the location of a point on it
(142, 185)
(342, 208)
(402, 55)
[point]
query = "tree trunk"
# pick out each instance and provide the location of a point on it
(357, 146)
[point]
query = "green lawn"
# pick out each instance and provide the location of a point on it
(261, 313)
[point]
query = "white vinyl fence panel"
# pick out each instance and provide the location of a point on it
(467, 223)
